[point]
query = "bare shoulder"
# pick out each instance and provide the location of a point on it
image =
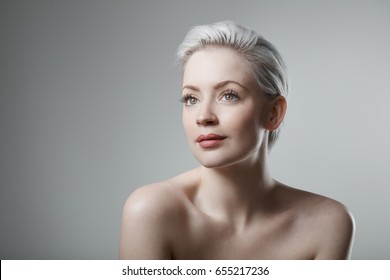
(335, 229)
(150, 219)
(153, 201)
(162, 199)
(328, 222)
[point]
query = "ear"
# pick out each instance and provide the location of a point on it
(277, 111)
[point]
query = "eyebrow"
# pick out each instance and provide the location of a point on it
(217, 86)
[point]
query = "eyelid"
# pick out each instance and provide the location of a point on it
(231, 92)
(186, 96)
(184, 99)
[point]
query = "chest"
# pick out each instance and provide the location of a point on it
(279, 238)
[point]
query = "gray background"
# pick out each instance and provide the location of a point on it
(89, 111)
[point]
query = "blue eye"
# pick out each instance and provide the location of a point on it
(231, 96)
(189, 100)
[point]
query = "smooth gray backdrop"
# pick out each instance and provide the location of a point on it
(89, 111)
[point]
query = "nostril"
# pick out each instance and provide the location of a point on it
(210, 120)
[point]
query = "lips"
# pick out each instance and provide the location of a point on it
(210, 140)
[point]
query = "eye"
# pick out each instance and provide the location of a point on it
(189, 100)
(230, 96)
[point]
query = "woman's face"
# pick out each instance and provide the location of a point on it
(224, 112)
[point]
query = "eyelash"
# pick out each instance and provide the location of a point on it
(185, 99)
(231, 92)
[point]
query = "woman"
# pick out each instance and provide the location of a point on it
(234, 91)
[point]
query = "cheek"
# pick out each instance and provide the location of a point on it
(243, 121)
(187, 121)
(247, 129)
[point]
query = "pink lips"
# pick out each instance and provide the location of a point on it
(210, 140)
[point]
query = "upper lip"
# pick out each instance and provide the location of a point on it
(210, 136)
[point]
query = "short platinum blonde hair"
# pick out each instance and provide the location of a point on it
(266, 62)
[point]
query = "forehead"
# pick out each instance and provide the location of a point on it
(215, 64)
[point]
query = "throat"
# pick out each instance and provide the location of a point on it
(234, 195)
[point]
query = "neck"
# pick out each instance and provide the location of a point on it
(233, 193)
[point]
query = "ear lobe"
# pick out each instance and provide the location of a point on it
(278, 110)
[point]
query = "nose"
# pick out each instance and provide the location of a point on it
(206, 116)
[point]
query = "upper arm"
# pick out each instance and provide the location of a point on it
(336, 230)
(145, 229)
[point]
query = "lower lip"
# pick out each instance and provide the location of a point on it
(210, 143)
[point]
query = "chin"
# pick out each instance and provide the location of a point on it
(213, 160)
(225, 157)
(212, 164)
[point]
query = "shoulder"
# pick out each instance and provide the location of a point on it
(329, 223)
(331, 216)
(150, 219)
(335, 227)
(163, 198)
(153, 216)
(157, 202)
(314, 206)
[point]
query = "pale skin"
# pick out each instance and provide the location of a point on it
(230, 207)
